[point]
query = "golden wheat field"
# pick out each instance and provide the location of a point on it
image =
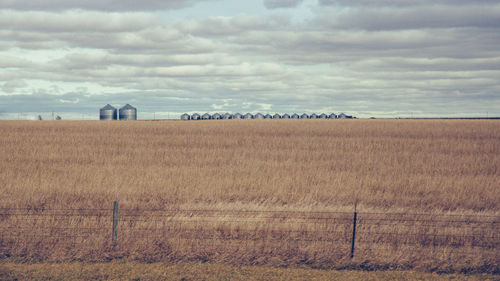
(270, 192)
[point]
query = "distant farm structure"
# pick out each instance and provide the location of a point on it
(258, 115)
(109, 112)
(128, 112)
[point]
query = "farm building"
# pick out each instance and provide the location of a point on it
(248, 116)
(259, 116)
(216, 116)
(108, 112)
(344, 116)
(127, 112)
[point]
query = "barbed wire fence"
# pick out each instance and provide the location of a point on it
(346, 234)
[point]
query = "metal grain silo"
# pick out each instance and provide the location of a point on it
(259, 116)
(276, 116)
(295, 116)
(127, 112)
(285, 116)
(206, 116)
(195, 116)
(107, 113)
(304, 116)
(237, 116)
(268, 116)
(248, 116)
(185, 116)
(344, 116)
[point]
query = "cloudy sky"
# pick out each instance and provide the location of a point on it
(382, 58)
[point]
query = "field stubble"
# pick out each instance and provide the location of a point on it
(243, 169)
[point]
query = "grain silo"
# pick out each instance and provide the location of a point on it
(276, 116)
(237, 116)
(107, 113)
(127, 112)
(304, 116)
(285, 116)
(259, 116)
(344, 116)
(195, 116)
(206, 116)
(227, 116)
(185, 116)
(248, 116)
(295, 116)
(216, 116)
(268, 116)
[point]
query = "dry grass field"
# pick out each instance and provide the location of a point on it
(203, 271)
(271, 192)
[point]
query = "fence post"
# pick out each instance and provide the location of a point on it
(114, 235)
(353, 231)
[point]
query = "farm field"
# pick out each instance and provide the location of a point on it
(254, 192)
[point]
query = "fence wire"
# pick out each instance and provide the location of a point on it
(35, 225)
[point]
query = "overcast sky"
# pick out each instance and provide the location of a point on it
(382, 58)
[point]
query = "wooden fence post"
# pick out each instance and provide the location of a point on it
(353, 232)
(114, 235)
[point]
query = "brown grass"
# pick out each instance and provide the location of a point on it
(406, 166)
(199, 271)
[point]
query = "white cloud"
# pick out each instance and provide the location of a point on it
(69, 101)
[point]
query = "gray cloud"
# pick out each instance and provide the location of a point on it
(13, 62)
(220, 26)
(400, 3)
(275, 4)
(11, 86)
(75, 21)
(397, 18)
(383, 60)
(99, 5)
